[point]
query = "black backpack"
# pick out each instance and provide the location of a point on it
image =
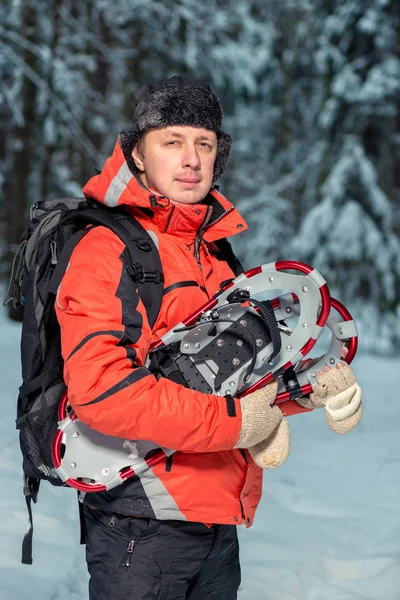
(55, 228)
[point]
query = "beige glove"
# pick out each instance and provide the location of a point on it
(339, 393)
(264, 431)
(273, 451)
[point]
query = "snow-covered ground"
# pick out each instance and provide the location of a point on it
(328, 527)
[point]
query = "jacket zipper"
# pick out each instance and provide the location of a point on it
(129, 552)
(53, 251)
(131, 544)
(199, 235)
(112, 522)
(221, 217)
(205, 225)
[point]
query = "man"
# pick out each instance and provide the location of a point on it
(171, 533)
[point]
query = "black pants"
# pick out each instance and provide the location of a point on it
(133, 558)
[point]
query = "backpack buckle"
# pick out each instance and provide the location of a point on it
(141, 276)
(153, 276)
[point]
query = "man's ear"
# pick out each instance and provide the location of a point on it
(138, 158)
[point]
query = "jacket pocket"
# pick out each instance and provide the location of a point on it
(139, 528)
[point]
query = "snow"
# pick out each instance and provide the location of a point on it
(327, 527)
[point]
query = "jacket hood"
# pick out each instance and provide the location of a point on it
(117, 186)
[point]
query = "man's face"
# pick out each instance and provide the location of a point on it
(177, 162)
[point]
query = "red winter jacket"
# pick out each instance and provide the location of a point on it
(106, 337)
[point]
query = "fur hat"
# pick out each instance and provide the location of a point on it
(177, 101)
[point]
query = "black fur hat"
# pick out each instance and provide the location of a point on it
(177, 101)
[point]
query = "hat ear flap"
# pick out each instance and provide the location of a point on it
(128, 138)
(223, 150)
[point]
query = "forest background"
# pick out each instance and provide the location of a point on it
(311, 92)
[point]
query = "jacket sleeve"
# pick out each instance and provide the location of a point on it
(105, 339)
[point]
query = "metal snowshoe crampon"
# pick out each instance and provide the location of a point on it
(261, 326)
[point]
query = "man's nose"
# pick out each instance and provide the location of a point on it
(191, 157)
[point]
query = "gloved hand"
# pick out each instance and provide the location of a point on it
(339, 393)
(273, 451)
(265, 432)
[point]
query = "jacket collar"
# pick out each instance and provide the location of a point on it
(117, 186)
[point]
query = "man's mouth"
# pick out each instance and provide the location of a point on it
(188, 180)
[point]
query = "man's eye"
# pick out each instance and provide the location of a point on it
(206, 145)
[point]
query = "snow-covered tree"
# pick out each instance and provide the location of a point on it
(349, 237)
(310, 90)
(349, 233)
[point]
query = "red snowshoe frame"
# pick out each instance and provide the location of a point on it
(232, 324)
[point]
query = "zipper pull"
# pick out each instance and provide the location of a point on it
(112, 522)
(129, 551)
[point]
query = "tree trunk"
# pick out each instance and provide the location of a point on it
(23, 147)
(49, 148)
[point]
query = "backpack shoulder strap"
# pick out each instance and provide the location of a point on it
(63, 259)
(141, 256)
(225, 249)
(143, 263)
